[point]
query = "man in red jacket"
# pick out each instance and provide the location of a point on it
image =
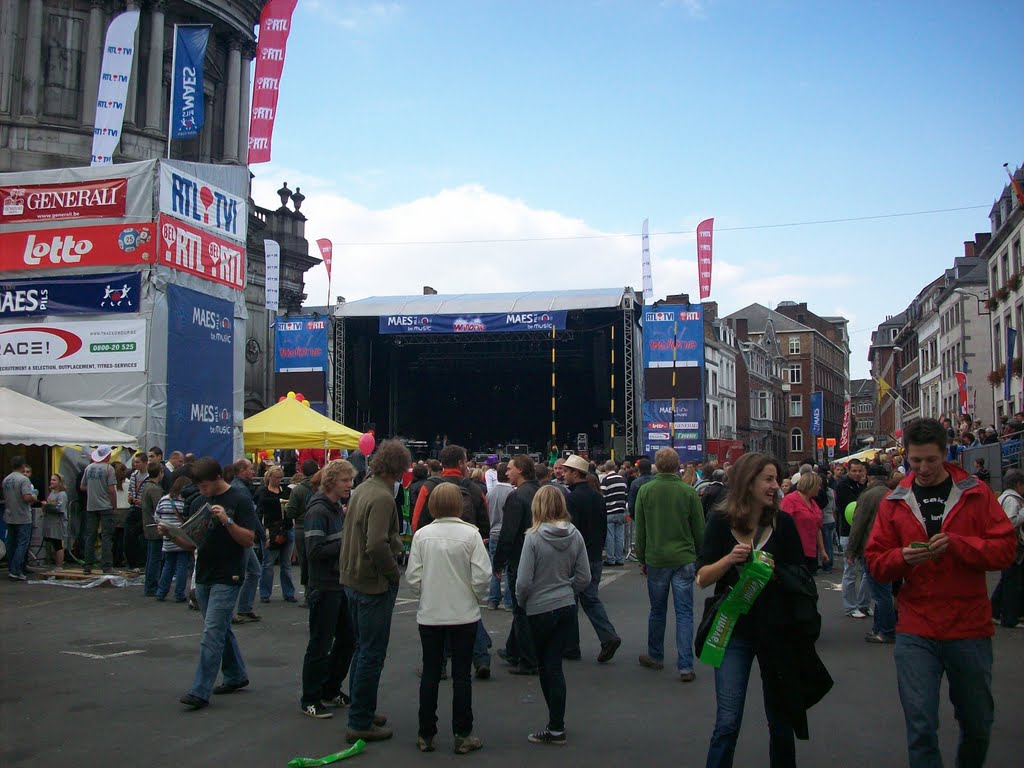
(940, 531)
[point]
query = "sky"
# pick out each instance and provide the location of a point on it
(555, 128)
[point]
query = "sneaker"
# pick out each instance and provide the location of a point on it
(425, 745)
(224, 688)
(264, 600)
(380, 720)
(193, 605)
(506, 607)
(687, 677)
(879, 638)
(483, 672)
(466, 744)
(291, 600)
(317, 711)
(239, 619)
(547, 737)
(250, 616)
(17, 577)
(510, 660)
(493, 606)
(868, 611)
(373, 733)
(193, 702)
(857, 614)
(338, 702)
(608, 650)
(647, 661)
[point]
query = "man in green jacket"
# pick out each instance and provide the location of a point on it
(669, 535)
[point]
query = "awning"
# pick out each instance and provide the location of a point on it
(290, 424)
(463, 303)
(26, 421)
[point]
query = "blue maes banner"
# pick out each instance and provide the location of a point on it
(200, 386)
(108, 293)
(817, 413)
(187, 79)
(504, 322)
(300, 344)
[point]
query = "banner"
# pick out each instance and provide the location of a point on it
(300, 344)
(275, 24)
(117, 346)
(844, 438)
(674, 328)
(705, 236)
(193, 200)
(645, 265)
(961, 384)
(186, 118)
(106, 245)
(817, 413)
(188, 249)
(104, 198)
(1011, 347)
(273, 273)
(77, 295)
(327, 254)
(200, 348)
(663, 426)
(476, 323)
(115, 72)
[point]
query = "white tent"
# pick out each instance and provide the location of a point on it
(26, 421)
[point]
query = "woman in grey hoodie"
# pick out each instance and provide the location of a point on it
(552, 569)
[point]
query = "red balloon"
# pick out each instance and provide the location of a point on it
(281, 399)
(367, 443)
(299, 396)
(899, 433)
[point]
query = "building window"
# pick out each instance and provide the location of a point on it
(997, 343)
(795, 373)
(794, 345)
(796, 405)
(761, 405)
(796, 441)
(62, 68)
(1005, 259)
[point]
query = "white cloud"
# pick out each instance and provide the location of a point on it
(351, 16)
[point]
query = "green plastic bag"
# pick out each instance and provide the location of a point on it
(754, 577)
(313, 762)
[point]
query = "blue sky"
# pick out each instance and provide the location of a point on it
(418, 122)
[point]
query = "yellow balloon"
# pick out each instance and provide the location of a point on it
(291, 395)
(306, 403)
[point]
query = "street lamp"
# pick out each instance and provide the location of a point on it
(976, 297)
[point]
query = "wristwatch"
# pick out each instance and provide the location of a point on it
(228, 523)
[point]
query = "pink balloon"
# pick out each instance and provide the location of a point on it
(367, 443)
(299, 396)
(281, 399)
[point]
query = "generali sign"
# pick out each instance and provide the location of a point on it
(102, 199)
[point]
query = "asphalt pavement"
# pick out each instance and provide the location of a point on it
(91, 678)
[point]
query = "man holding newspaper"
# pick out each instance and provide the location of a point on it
(220, 529)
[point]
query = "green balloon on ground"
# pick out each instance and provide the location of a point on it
(850, 509)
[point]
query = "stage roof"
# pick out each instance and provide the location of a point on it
(484, 303)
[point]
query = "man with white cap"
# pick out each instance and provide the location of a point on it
(98, 484)
(587, 509)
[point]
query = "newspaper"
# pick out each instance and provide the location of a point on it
(195, 529)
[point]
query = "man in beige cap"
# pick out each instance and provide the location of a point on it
(101, 498)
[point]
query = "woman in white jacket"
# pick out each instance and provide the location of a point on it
(449, 570)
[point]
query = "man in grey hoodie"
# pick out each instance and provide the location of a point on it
(553, 567)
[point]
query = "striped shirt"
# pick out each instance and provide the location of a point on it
(170, 512)
(614, 487)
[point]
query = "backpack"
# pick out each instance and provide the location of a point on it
(472, 497)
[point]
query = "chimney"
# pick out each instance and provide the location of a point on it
(678, 298)
(428, 291)
(741, 328)
(969, 248)
(710, 312)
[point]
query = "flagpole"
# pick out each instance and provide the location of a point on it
(170, 90)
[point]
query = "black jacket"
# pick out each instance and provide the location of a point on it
(714, 493)
(517, 519)
(846, 491)
(586, 508)
(323, 525)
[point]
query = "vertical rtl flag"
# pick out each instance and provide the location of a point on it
(275, 24)
(816, 413)
(115, 72)
(844, 438)
(961, 385)
(645, 265)
(1011, 347)
(327, 254)
(272, 249)
(189, 52)
(705, 235)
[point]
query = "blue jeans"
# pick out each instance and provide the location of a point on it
(920, 663)
(154, 558)
(177, 566)
(272, 557)
(371, 625)
(253, 572)
(885, 612)
(19, 536)
(494, 596)
(481, 646)
(680, 581)
(854, 597)
(828, 533)
(731, 680)
(218, 648)
(590, 601)
(615, 539)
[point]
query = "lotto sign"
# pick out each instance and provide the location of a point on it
(199, 253)
(59, 202)
(101, 246)
(197, 202)
(59, 348)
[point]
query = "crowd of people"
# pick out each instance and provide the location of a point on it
(915, 533)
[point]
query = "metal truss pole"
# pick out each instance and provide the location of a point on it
(339, 370)
(628, 373)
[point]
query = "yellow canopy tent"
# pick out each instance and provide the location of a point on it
(290, 424)
(865, 455)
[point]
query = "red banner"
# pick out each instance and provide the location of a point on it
(275, 23)
(844, 437)
(327, 253)
(961, 383)
(102, 199)
(73, 246)
(196, 251)
(705, 232)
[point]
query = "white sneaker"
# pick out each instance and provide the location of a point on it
(857, 614)
(869, 611)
